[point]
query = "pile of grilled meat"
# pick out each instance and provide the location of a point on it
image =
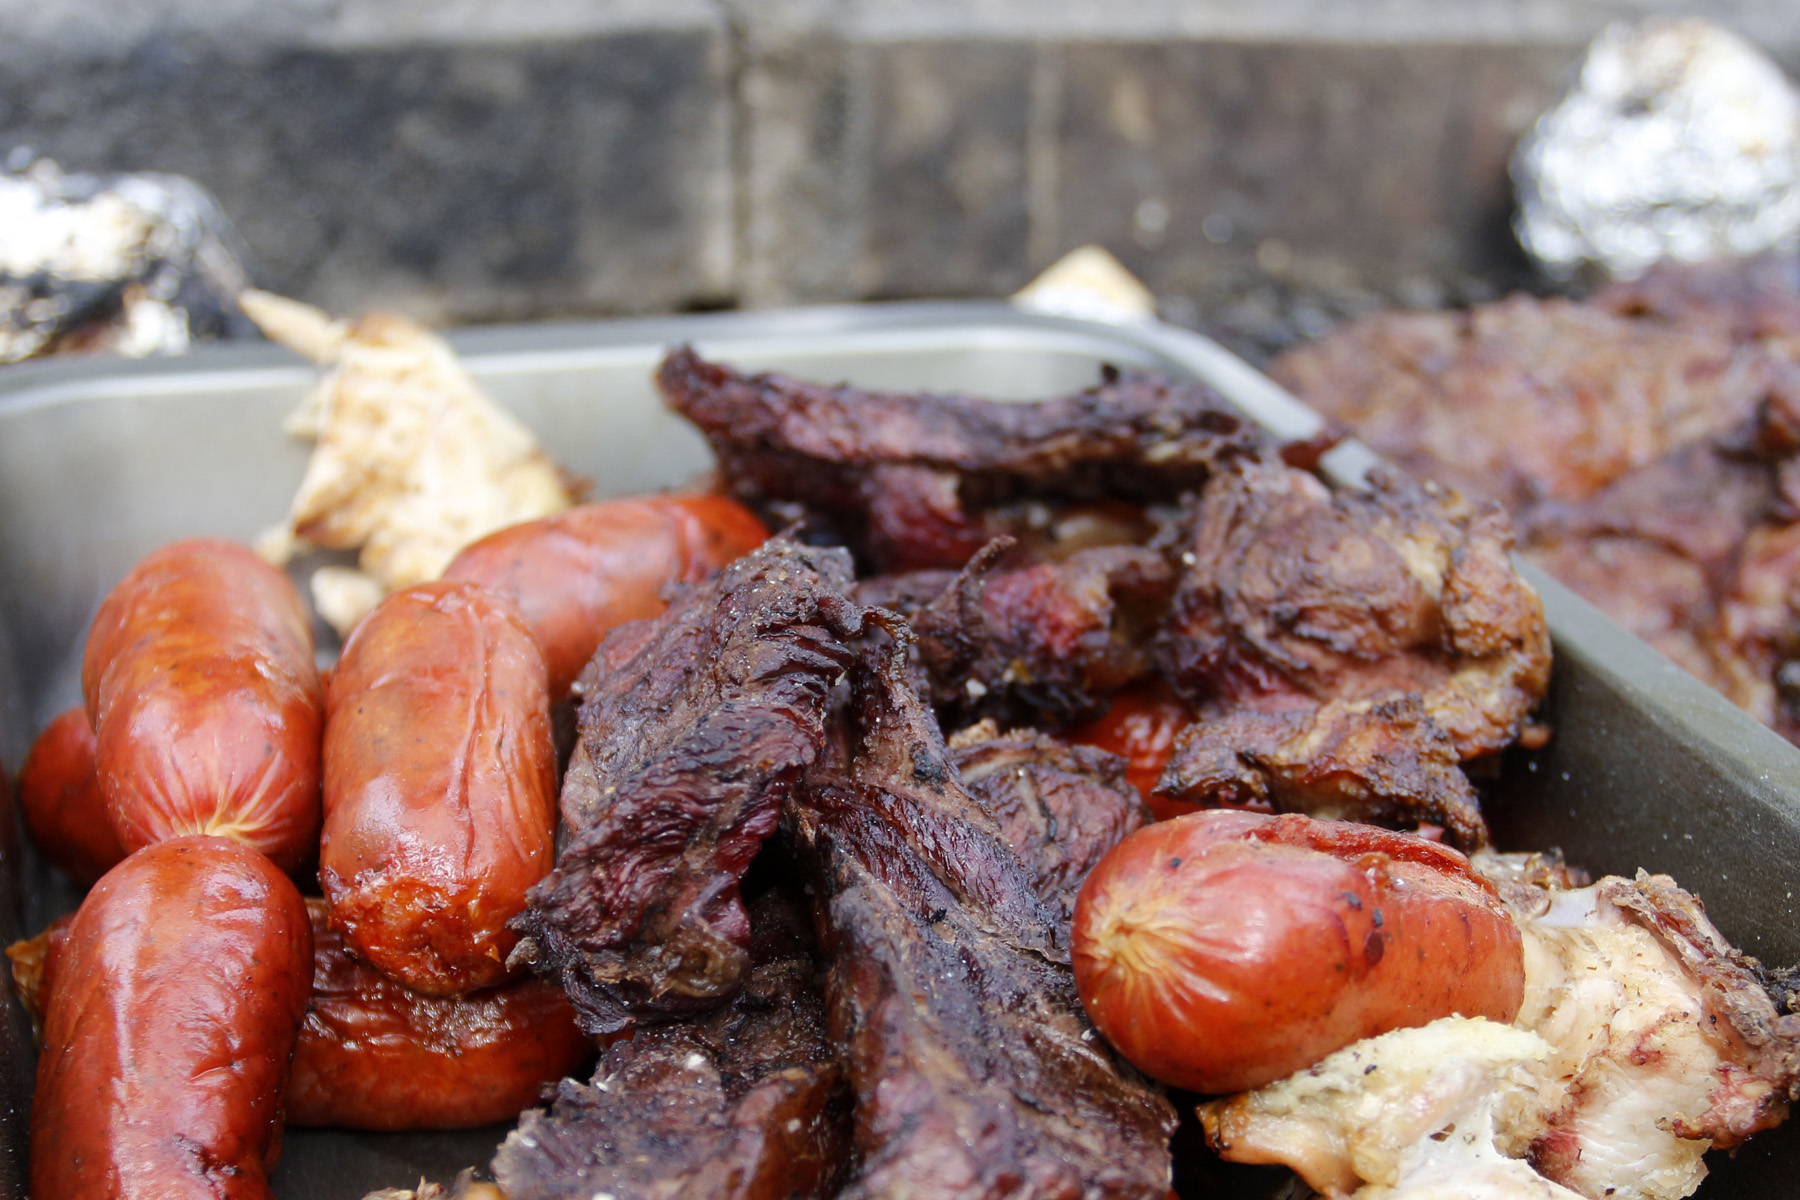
(1645, 441)
(820, 837)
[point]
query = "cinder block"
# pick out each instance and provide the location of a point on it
(459, 179)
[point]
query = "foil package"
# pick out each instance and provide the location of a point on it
(137, 264)
(1678, 141)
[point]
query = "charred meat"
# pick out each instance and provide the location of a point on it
(694, 728)
(1346, 652)
(921, 481)
(1643, 441)
(975, 1070)
(1049, 641)
(745, 1103)
(1060, 807)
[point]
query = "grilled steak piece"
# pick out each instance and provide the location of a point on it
(918, 481)
(1060, 807)
(746, 1103)
(975, 1070)
(1045, 642)
(694, 727)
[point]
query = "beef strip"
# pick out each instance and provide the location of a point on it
(921, 481)
(693, 728)
(746, 1103)
(1045, 642)
(1060, 807)
(975, 1070)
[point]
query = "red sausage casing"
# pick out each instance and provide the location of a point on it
(168, 1028)
(206, 703)
(59, 794)
(1223, 950)
(375, 1055)
(440, 785)
(579, 573)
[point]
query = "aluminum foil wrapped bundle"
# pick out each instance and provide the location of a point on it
(135, 264)
(1679, 141)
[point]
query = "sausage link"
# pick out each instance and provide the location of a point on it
(376, 1055)
(168, 1027)
(1223, 950)
(440, 784)
(578, 574)
(59, 794)
(206, 702)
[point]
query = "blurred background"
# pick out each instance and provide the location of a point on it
(1266, 168)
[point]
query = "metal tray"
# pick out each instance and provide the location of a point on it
(101, 462)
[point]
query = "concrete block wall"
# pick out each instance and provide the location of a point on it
(478, 160)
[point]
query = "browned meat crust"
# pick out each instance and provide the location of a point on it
(746, 1103)
(693, 729)
(975, 1070)
(1645, 442)
(1346, 652)
(1060, 807)
(1050, 642)
(1381, 762)
(1525, 400)
(922, 481)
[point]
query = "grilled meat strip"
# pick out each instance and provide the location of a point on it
(694, 727)
(921, 481)
(975, 1070)
(745, 1103)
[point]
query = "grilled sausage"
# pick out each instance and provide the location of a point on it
(206, 703)
(1223, 950)
(439, 785)
(168, 1027)
(59, 794)
(375, 1055)
(578, 574)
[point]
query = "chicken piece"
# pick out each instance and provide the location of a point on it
(1441, 1110)
(1305, 622)
(412, 463)
(1643, 1040)
(1664, 1037)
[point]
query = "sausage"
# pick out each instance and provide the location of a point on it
(1141, 727)
(440, 785)
(1226, 949)
(168, 1027)
(59, 794)
(372, 1054)
(578, 574)
(375, 1055)
(206, 703)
